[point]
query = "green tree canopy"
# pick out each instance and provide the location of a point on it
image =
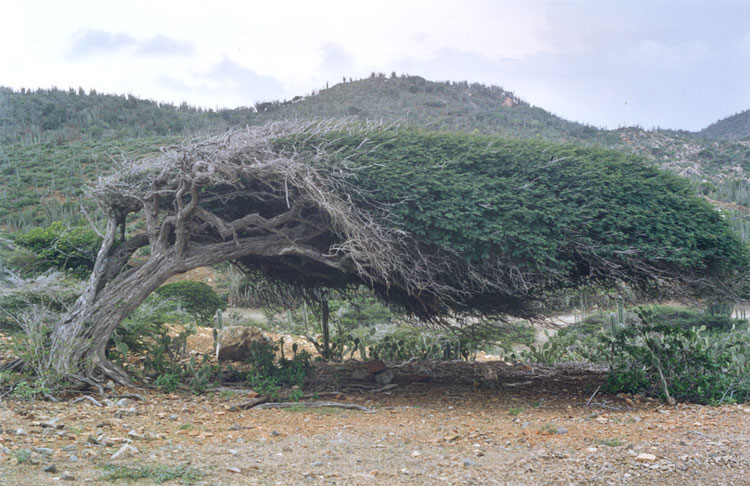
(534, 216)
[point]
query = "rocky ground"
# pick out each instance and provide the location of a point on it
(481, 423)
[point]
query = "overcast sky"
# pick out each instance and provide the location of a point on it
(673, 64)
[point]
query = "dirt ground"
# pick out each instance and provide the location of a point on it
(472, 423)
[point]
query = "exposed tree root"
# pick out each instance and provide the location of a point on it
(250, 403)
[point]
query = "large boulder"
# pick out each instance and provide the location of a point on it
(235, 342)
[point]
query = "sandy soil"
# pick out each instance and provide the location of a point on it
(481, 423)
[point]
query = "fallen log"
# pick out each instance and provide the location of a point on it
(348, 406)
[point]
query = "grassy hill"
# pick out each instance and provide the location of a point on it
(51, 141)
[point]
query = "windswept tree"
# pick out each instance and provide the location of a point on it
(442, 225)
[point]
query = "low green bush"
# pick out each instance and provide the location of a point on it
(676, 363)
(686, 318)
(196, 298)
(71, 248)
(269, 373)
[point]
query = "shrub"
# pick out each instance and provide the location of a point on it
(145, 328)
(62, 247)
(196, 298)
(269, 373)
(686, 318)
(677, 363)
(409, 342)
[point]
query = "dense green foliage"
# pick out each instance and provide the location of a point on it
(702, 357)
(686, 364)
(197, 298)
(546, 209)
(62, 247)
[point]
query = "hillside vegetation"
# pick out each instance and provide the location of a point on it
(735, 127)
(51, 141)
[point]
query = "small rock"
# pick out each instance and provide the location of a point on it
(21, 432)
(234, 452)
(67, 477)
(73, 458)
(374, 366)
(173, 417)
(122, 402)
(233, 469)
(361, 374)
(561, 430)
(363, 475)
(275, 433)
(50, 469)
(45, 451)
(468, 462)
(69, 448)
(415, 454)
(52, 424)
(125, 450)
(317, 463)
(644, 457)
(384, 377)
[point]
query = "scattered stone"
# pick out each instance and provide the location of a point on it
(363, 475)
(468, 462)
(50, 469)
(122, 402)
(275, 433)
(67, 477)
(233, 469)
(125, 450)
(415, 454)
(234, 452)
(73, 458)
(361, 374)
(21, 432)
(45, 451)
(645, 457)
(384, 377)
(235, 342)
(52, 424)
(173, 417)
(561, 430)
